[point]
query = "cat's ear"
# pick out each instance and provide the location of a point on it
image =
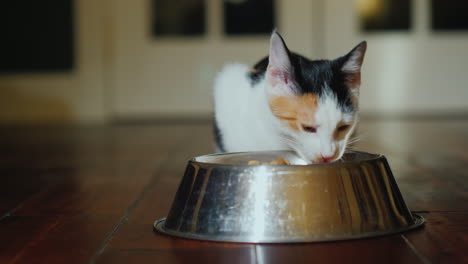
(352, 63)
(280, 70)
(353, 60)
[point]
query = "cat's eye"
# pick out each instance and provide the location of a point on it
(342, 128)
(309, 129)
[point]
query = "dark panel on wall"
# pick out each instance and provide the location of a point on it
(36, 36)
(246, 17)
(178, 17)
(384, 15)
(449, 15)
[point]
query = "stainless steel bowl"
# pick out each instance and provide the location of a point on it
(221, 198)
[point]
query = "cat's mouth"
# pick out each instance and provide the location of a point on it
(318, 160)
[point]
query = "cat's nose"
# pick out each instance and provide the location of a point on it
(327, 159)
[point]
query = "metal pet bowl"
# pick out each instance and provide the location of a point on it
(221, 198)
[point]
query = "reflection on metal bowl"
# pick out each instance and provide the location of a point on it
(221, 198)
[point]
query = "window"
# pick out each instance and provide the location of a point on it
(243, 17)
(178, 17)
(449, 15)
(36, 36)
(383, 15)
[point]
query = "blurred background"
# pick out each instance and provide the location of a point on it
(81, 61)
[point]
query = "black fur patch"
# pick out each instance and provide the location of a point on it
(312, 75)
(258, 72)
(218, 137)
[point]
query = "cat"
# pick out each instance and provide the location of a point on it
(288, 102)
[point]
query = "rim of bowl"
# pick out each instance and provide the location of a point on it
(375, 157)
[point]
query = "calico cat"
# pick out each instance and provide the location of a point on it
(288, 102)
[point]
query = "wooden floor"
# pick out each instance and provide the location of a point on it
(91, 194)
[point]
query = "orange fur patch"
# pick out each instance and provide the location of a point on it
(353, 80)
(295, 110)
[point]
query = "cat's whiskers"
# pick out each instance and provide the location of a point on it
(354, 140)
(289, 139)
(350, 143)
(294, 144)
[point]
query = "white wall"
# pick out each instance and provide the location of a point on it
(408, 72)
(154, 77)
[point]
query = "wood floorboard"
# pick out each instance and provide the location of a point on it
(90, 194)
(52, 239)
(177, 255)
(434, 189)
(389, 249)
(444, 239)
(18, 187)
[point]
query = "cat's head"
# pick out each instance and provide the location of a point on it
(315, 102)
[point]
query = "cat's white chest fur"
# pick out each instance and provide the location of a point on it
(242, 113)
